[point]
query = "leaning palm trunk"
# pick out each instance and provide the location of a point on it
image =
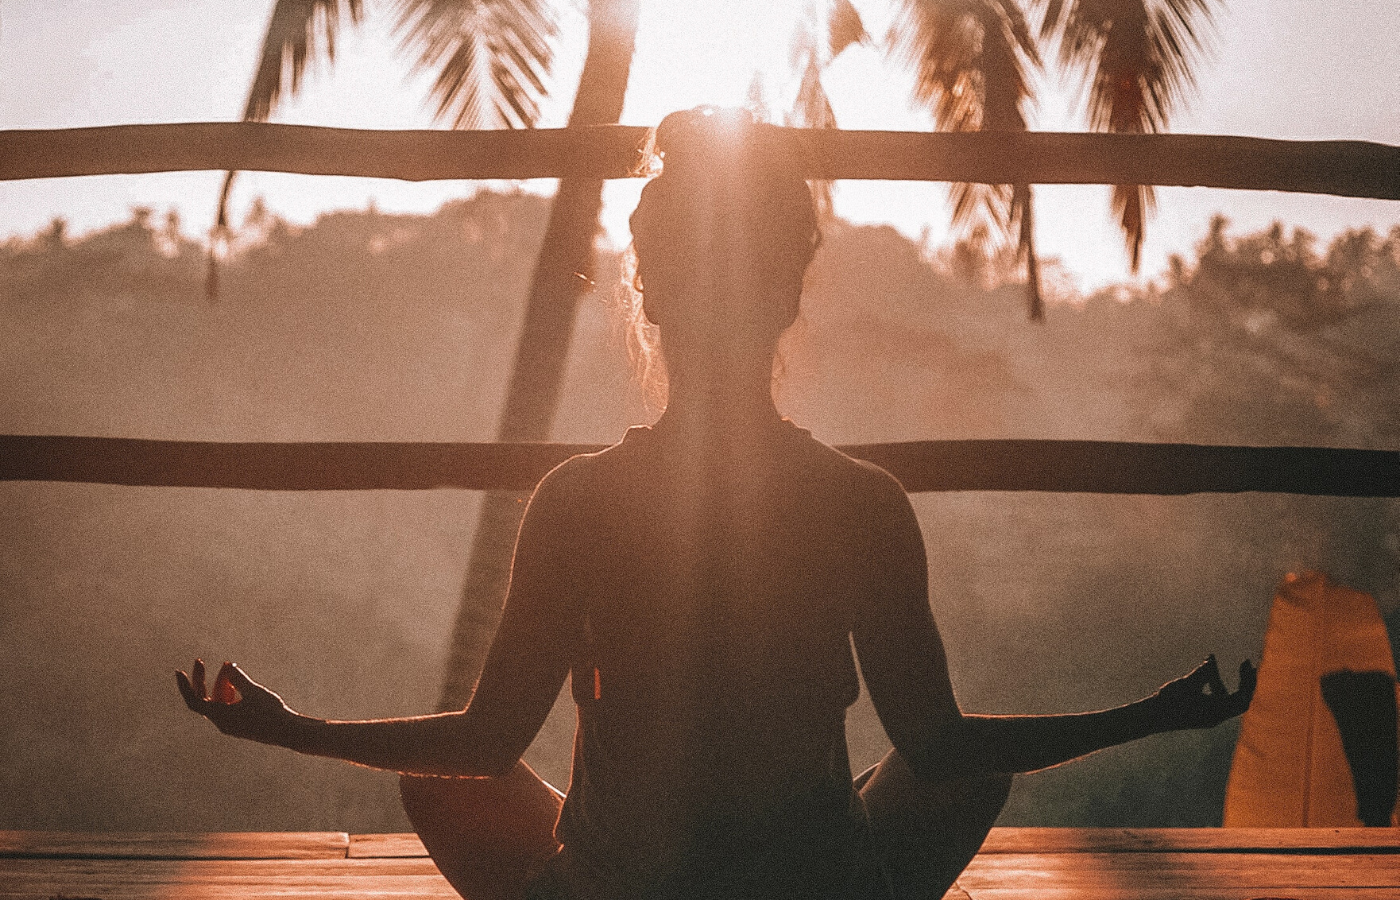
(563, 273)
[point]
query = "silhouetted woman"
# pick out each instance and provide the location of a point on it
(703, 584)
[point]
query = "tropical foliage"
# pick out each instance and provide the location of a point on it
(973, 64)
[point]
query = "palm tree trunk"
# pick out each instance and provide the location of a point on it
(563, 273)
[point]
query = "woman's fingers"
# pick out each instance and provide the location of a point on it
(224, 691)
(198, 673)
(193, 699)
(1249, 680)
(1215, 684)
(1200, 698)
(240, 679)
(228, 685)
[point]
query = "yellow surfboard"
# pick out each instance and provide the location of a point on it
(1289, 768)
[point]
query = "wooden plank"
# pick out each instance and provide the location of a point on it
(1181, 871)
(1120, 467)
(1141, 892)
(419, 155)
(1077, 874)
(151, 871)
(1106, 467)
(334, 889)
(385, 846)
(174, 845)
(1207, 840)
(243, 879)
(1344, 168)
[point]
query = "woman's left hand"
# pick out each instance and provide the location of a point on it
(1200, 698)
(239, 706)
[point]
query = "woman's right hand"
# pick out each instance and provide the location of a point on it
(239, 706)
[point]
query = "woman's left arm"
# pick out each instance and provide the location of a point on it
(1029, 743)
(905, 669)
(524, 671)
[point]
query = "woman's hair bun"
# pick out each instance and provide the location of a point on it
(694, 138)
(729, 204)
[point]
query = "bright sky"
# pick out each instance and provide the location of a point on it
(1279, 68)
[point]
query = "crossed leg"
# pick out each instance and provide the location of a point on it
(488, 836)
(926, 832)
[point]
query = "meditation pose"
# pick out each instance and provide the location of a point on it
(708, 588)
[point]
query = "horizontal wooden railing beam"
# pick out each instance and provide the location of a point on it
(1097, 467)
(1344, 168)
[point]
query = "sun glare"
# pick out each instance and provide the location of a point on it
(709, 52)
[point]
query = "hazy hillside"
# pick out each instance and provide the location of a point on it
(370, 326)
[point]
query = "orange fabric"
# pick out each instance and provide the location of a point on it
(1289, 768)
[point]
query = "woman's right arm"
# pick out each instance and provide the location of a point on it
(906, 672)
(524, 671)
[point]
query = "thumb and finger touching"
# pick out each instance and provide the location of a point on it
(1215, 684)
(224, 691)
(229, 686)
(1202, 698)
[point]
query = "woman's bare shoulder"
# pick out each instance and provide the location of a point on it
(576, 477)
(866, 478)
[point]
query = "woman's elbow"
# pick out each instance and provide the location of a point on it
(486, 759)
(954, 749)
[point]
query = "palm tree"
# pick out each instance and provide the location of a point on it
(970, 61)
(493, 60)
(1137, 57)
(971, 58)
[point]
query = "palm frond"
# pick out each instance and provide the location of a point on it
(492, 57)
(1137, 59)
(756, 98)
(298, 31)
(824, 30)
(844, 28)
(970, 60)
(1133, 205)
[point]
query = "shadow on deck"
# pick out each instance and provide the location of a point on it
(1015, 864)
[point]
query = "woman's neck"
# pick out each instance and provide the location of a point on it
(731, 406)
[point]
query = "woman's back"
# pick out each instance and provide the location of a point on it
(705, 597)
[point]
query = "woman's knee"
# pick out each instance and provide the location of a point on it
(927, 832)
(892, 790)
(486, 835)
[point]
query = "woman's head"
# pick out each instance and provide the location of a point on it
(722, 236)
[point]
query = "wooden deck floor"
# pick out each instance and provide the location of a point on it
(1015, 864)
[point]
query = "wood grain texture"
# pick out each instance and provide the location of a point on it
(1104, 467)
(1150, 892)
(221, 879)
(1016, 864)
(1200, 840)
(385, 846)
(1343, 168)
(174, 845)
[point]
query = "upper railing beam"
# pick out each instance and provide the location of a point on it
(1343, 168)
